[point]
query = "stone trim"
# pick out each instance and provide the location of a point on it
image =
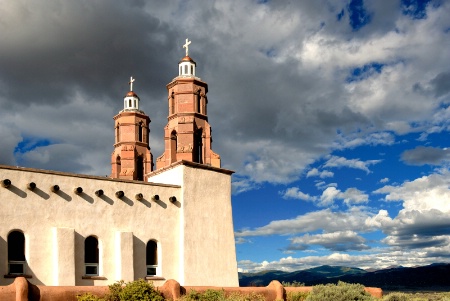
(190, 164)
(154, 278)
(94, 277)
(67, 174)
(9, 276)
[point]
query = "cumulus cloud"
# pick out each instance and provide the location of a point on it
(338, 162)
(382, 259)
(326, 220)
(295, 193)
(426, 155)
(314, 172)
(340, 241)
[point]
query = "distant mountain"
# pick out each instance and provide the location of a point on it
(434, 277)
(306, 276)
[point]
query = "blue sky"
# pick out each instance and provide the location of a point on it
(334, 114)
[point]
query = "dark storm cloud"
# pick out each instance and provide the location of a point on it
(441, 84)
(425, 155)
(276, 76)
(49, 49)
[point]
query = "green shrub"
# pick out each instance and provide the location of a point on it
(216, 295)
(138, 290)
(396, 297)
(296, 296)
(292, 284)
(340, 292)
(88, 297)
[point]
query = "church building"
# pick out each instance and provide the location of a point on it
(169, 222)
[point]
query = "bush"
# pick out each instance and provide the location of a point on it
(340, 292)
(292, 284)
(296, 296)
(215, 295)
(139, 290)
(396, 297)
(88, 297)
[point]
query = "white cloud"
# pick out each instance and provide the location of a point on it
(335, 241)
(425, 193)
(325, 220)
(384, 180)
(338, 162)
(314, 172)
(383, 258)
(349, 196)
(295, 193)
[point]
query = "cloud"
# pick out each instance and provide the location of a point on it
(335, 161)
(340, 241)
(425, 155)
(325, 220)
(425, 193)
(321, 174)
(381, 259)
(295, 193)
(349, 196)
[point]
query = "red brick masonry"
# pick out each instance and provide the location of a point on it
(22, 290)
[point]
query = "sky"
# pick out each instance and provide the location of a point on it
(334, 115)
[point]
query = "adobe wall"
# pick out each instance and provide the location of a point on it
(21, 290)
(55, 226)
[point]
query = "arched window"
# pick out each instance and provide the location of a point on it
(140, 132)
(198, 102)
(91, 256)
(140, 168)
(118, 133)
(198, 147)
(119, 165)
(16, 253)
(172, 103)
(173, 147)
(185, 69)
(129, 103)
(152, 258)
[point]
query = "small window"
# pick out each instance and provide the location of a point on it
(16, 253)
(192, 69)
(185, 69)
(91, 256)
(140, 132)
(129, 103)
(152, 258)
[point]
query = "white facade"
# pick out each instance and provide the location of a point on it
(191, 226)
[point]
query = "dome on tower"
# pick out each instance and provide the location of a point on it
(187, 58)
(131, 94)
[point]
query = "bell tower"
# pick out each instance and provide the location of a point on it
(131, 158)
(187, 135)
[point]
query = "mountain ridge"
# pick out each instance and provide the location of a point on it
(433, 276)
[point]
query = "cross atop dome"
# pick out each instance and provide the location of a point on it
(131, 83)
(187, 65)
(186, 45)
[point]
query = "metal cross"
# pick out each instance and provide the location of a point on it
(131, 83)
(187, 46)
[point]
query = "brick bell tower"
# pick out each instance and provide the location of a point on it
(131, 158)
(187, 135)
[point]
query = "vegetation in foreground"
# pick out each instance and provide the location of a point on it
(141, 290)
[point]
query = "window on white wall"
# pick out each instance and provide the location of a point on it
(91, 256)
(152, 258)
(16, 253)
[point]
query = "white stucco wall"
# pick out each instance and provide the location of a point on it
(194, 235)
(207, 243)
(55, 226)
